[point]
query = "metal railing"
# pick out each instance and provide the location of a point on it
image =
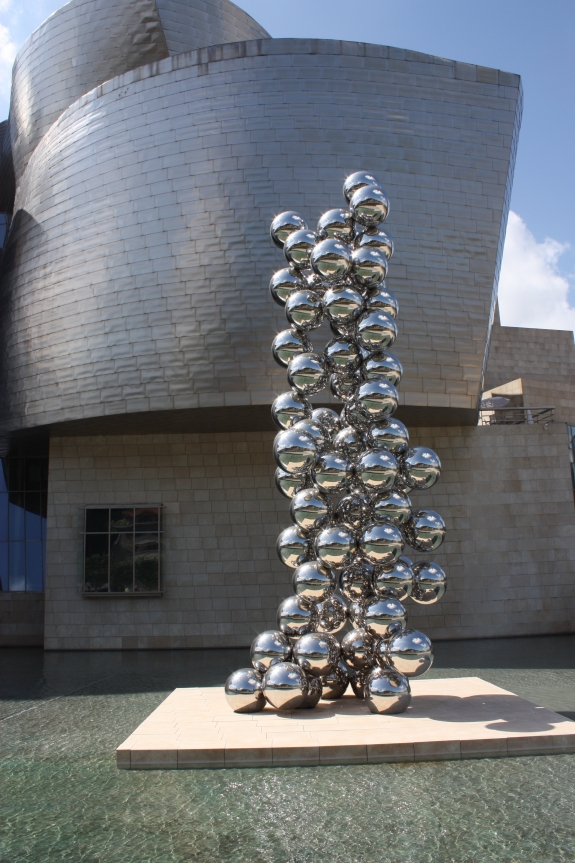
(516, 416)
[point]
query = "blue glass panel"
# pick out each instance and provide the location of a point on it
(33, 518)
(16, 517)
(34, 578)
(17, 565)
(4, 566)
(3, 516)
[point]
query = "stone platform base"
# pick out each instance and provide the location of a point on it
(448, 719)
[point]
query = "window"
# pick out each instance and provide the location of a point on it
(571, 438)
(122, 550)
(23, 504)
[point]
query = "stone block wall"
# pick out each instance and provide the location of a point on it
(505, 494)
(21, 619)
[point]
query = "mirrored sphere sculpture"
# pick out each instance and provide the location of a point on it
(349, 473)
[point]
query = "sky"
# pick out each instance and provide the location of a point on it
(533, 39)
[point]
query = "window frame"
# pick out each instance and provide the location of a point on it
(130, 594)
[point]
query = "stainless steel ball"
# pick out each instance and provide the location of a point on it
(343, 305)
(376, 400)
(288, 344)
(358, 180)
(394, 581)
(304, 309)
(332, 614)
(369, 206)
(313, 581)
(383, 300)
(268, 648)
(298, 247)
(296, 617)
(314, 693)
(375, 331)
(283, 284)
(327, 418)
(368, 267)
(381, 544)
(421, 467)
(293, 547)
(377, 470)
(342, 356)
(387, 691)
(290, 483)
(306, 373)
(429, 583)
(289, 408)
(332, 472)
(375, 238)
(358, 649)
(294, 451)
(334, 546)
(391, 505)
(410, 652)
(331, 260)
(425, 530)
(316, 431)
(285, 686)
(384, 617)
(284, 225)
(342, 386)
(349, 441)
(335, 683)
(337, 224)
(354, 511)
(382, 364)
(391, 434)
(317, 653)
(243, 691)
(310, 509)
(356, 581)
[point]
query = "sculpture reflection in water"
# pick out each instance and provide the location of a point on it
(349, 477)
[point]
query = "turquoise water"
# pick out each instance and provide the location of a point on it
(62, 798)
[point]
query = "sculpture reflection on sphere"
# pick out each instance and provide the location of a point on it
(349, 475)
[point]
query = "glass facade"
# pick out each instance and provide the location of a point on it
(23, 504)
(122, 550)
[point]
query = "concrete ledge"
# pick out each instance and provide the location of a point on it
(447, 720)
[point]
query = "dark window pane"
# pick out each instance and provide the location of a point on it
(44, 477)
(97, 520)
(96, 563)
(16, 474)
(4, 475)
(16, 516)
(33, 473)
(146, 562)
(147, 519)
(4, 566)
(122, 520)
(34, 576)
(121, 562)
(34, 502)
(3, 516)
(17, 565)
(32, 518)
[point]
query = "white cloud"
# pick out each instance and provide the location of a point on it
(532, 291)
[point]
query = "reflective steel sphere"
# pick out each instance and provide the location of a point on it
(392, 506)
(395, 581)
(425, 530)
(334, 546)
(384, 617)
(382, 300)
(358, 684)
(284, 225)
(359, 180)
(244, 691)
(288, 344)
(314, 692)
(369, 206)
(327, 418)
(343, 305)
(357, 580)
(294, 451)
(290, 483)
(289, 408)
(342, 356)
(304, 310)
(381, 544)
(342, 386)
(349, 441)
(293, 547)
(268, 648)
(375, 238)
(376, 400)
(317, 653)
(337, 224)
(421, 467)
(410, 652)
(335, 683)
(332, 472)
(382, 365)
(429, 583)
(313, 581)
(375, 330)
(296, 617)
(387, 691)
(391, 434)
(298, 248)
(285, 686)
(283, 283)
(354, 511)
(368, 267)
(316, 431)
(358, 649)
(377, 470)
(331, 260)
(332, 613)
(310, 509)
(306, 373)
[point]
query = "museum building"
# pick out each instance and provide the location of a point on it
(148, 146)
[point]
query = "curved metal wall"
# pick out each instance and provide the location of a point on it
(189, 24)
(136, 275)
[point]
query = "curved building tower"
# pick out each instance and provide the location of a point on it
(148, 145)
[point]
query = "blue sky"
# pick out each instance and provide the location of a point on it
(533, 39)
